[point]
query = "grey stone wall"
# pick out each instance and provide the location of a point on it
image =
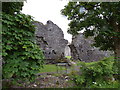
(51, 40)
(81, 49)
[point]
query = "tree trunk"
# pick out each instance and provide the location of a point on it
(116, 40)
(117, 57)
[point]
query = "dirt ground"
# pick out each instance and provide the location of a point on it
(51, 81)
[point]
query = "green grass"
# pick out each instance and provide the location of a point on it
(92, 63)
(68, 57)
(51, 68)
(86, 63)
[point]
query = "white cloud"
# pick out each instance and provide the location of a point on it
(44, 10)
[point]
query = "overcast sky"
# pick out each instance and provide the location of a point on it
(44, 10)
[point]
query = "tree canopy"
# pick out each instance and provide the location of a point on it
(11, 7)
(101, 20)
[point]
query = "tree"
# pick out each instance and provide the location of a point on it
(11, 7)
(22, 58)
(101, 20)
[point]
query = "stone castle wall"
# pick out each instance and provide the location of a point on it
(51, 40)
(82, 50)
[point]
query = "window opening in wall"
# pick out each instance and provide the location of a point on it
(53, 51)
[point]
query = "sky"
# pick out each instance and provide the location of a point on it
(44, 10)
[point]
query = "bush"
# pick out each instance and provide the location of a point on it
(22, 58)
(96, 74)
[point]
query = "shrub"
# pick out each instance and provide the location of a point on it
(22, 58)
(96, 74)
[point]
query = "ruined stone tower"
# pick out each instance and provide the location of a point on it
(51, 40)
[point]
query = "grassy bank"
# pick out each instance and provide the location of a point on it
(51, 68)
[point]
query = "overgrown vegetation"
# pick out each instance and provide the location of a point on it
(97, 74)
(22, 58)
(12, 7)
(98, 19)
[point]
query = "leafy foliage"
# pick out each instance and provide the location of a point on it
(98, 19)
(11, 7)
(22, 58)
(97, 74)
(101, 20)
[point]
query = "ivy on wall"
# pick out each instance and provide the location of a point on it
(22, 58)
